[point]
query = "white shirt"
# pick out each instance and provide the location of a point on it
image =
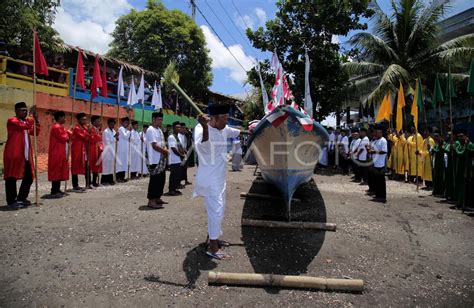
(332, 140)
(27, 146)
(380, 145)
(172, 143)
(154, 135)
(355, 147)
(236, 146)
(108, 154)
(363, 151)
(212, 155)
(182, 139)
(345, 142)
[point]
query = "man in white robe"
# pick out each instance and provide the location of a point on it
(109, 140)
(210, 137)
(123, 149)
(144, 153)
(135, 152)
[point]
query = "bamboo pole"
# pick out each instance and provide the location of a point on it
(186, 97)
(271, 280)
(35, 129)
(129, 146)
(71, 121)
(99, 176)
(141, 139)
(263, 197)
(88, 150)
(116, 142)
(289, 225)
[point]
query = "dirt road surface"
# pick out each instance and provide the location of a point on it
(105, 248)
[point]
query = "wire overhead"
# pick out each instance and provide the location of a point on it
(218, 36)
(237, 28)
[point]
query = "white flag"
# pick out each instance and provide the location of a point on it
(308, 103)
(156, 98)
(120, 88)
(275, 64)
(132, 95)
(264, 91)
(141, 90)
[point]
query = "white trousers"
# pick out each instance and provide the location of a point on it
(215, 206)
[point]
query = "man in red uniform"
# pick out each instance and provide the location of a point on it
(95, 149)
(80, 138)
(18, 155)
(58, 169)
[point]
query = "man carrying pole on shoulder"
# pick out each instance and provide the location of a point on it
(210, 137)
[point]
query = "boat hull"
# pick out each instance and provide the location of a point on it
(287, 153)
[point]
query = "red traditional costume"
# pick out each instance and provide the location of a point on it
(95, 150)
(14, 153)
(80, 137)
(58, 169)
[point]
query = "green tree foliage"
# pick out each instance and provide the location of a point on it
(19, 17)
(300, 25)
(403, 47)
(153, 37)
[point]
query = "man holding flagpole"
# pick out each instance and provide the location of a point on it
(18, 156)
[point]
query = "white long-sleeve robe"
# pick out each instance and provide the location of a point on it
(136, 153)
(108, 154)
(210, 177)
(122, 149)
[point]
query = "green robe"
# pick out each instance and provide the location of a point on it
(470, 177)
(437, 153)
(449, 176)
(460, 160)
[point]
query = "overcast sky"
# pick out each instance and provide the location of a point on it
(88, 24)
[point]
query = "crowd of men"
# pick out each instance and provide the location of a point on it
(443, 164)
(113, 155)
(123, 154)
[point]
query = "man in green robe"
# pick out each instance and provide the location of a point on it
(449, 171)
(437, 152)
(463, 165)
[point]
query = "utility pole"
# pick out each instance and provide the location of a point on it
(193, 9)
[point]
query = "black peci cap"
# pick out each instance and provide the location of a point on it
(20, 105)
(80, 115)
(217, 109)
(157, 115)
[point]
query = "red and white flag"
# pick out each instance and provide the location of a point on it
(277, 118)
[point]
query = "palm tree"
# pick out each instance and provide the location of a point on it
(403, 47)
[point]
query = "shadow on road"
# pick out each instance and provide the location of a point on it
(195, 262)
(283, 251)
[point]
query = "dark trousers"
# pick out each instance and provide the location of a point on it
(55, 187)
(75, 180)
(133, 175)
(379, 183)
(356, 169)
(107, 178)
(95, 177)
(344, 163)
(175, 177)
(370, 178)
(10, 186)
(120, 176)
(184, 173)
(156, 184)
(331, 158)
(363, 171)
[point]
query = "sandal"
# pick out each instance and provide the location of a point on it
(218, 255)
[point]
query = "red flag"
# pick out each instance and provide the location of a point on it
(80, 70)
(41, 68)
(96, 79)
(103, 90)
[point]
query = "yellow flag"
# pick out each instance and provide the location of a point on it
(382, 110)
(389, 110)
(400, 105)
(414, 108)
